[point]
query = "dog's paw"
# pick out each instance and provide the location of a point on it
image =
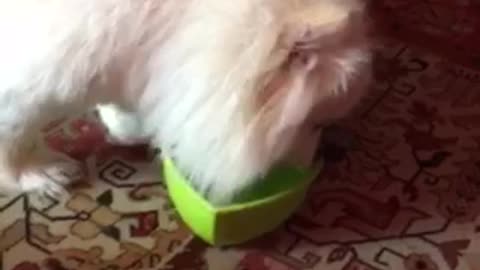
(52, 179)
(123, 128)
(127, 140)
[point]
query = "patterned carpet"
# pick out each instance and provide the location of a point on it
(400, 190)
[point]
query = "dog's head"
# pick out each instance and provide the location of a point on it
(246, 75)
(320, 49)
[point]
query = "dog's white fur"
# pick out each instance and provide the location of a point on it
(220, 86)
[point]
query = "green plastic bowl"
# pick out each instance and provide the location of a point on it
(256, 211)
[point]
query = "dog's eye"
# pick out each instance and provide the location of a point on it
(293, 54)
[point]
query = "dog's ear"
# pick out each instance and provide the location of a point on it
(318, 24)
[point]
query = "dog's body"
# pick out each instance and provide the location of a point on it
(221, 86)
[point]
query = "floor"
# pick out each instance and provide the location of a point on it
(400, 190)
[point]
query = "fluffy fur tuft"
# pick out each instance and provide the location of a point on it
(221, 86)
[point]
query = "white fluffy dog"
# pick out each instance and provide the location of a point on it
(220, 86)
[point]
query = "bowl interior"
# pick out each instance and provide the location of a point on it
(279, 181)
